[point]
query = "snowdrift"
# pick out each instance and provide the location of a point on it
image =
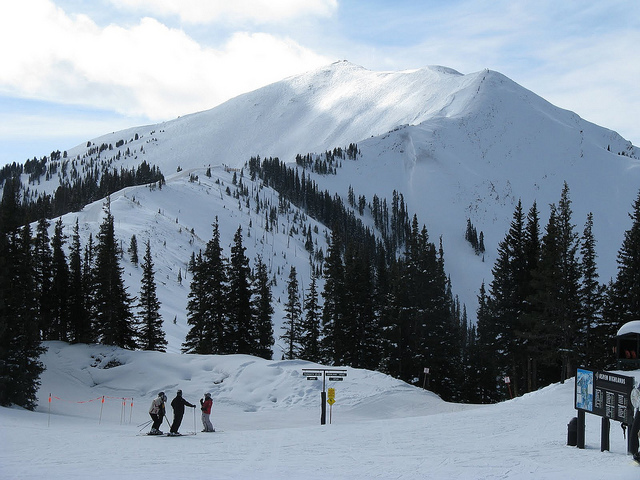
(267, 420)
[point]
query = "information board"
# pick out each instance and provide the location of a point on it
(605, 394)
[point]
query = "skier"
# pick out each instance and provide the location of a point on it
(178, 405)
(205, 406)
(157, 413)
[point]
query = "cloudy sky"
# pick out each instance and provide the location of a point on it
(71, 70)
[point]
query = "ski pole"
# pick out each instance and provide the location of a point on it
(145, 424)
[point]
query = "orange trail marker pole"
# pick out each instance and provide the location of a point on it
(101, 406)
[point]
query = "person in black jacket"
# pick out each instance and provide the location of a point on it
(178, 405)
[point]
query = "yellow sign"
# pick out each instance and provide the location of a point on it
(331, 392)
(331, 401)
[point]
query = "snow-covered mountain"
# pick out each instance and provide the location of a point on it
(456, 146)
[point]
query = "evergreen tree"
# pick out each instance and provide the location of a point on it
(392, 322)
(60, 286)
(20, 343)
(133, 250)
(506, 303)
(239, 300)
(310, 339)
(333, 313)
(422, 334)
(207, 306)
(197, 312)
(555, 301)
(8, 232)
(293, 317)
(593, 348)
(115, 321)
(42, 258)
(90, 286)
(624, 294)
(79, 324)
(263, 311)
(361, 332)
(486, 364)
(443, 341)
(152, 336)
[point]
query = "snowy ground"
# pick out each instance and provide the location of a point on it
(270, 421)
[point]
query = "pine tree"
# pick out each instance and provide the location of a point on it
(590, 324)
(310, 340)
(333, 313)
(443, 340)
(361, 346)
(555, 302)
(90, 285)
(292, 319)
(239, 300)
(505, 304)
(60, 285)
(393, 322)
(624, 294)
(152, 336)
(79, 324)
(42, 259)
(263, 311)
(133, 250)
(197, 316)
(486, 363)
(20, 342)
(207, 309)
(115, 321)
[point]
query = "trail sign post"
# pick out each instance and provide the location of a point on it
(507, 380)
(425, 381)
(333, 374)
(331, 394)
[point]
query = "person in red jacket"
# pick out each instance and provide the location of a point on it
(205, 406)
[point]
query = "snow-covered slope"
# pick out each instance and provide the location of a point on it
(495, 144)
(270, 421)
(344, 103)
(322, 109)
(456, 146)
(177, 221)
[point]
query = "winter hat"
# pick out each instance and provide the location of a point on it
(207, 394)
(179, 393)
(161, 394)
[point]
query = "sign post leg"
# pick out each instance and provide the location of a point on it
(604, 434)
(580, 438)
(323, 400)
(632, 444)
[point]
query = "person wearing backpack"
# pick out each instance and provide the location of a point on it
(157, 412)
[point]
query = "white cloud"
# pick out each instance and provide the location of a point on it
(207, 11)
(145, 69)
